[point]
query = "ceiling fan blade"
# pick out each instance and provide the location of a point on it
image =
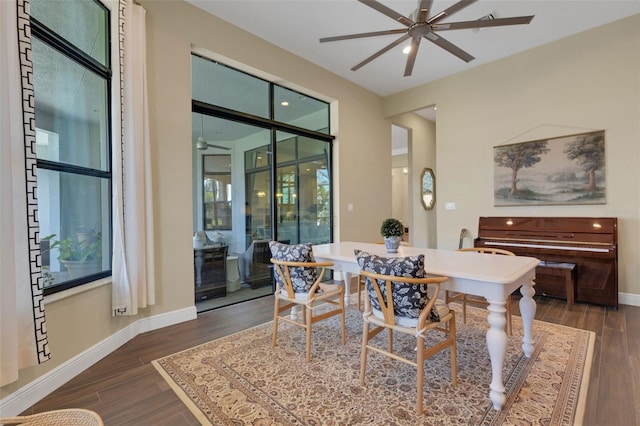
(387, 11)
(202, 144)
(226, 148)
(415, 44)
(449, 47)
(483, 23)
(450, 10)
(380, 52)
(423, 10)
(360, 35)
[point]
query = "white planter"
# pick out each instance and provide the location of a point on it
(89, 237)
(78, 269)
(392, 244)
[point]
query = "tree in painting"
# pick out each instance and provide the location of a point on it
(588, 152)
(519, 156)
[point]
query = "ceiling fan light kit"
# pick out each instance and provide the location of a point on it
(202, 144)
(425, 24)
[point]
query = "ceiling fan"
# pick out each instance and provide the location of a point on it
(426, 24)
(202, 143)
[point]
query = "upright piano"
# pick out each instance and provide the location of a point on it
(588, 245)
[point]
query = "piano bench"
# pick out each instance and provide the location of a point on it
(565, 271)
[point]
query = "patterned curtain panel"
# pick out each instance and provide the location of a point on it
(22, 322)
(133, 266)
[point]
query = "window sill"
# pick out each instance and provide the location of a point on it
(76, 290)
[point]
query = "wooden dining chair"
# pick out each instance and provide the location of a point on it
(298, 283)
(463, 298)
(398, 314)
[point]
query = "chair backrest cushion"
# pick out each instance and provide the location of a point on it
(408, 299)
(301, 278)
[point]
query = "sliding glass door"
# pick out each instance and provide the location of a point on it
(302, 190)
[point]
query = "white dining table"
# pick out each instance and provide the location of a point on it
(490, 276)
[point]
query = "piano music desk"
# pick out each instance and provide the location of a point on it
(564, 271)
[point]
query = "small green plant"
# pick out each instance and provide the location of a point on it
(392, 228)
(82, 250)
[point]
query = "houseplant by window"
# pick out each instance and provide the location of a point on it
(392, 230)
(80, 256)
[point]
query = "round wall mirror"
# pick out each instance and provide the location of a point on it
(428, 189)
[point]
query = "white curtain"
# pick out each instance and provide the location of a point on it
(133, 265)
(22, 327)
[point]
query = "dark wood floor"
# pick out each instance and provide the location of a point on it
(125, 389)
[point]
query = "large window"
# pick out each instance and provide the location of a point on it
(279, 146)
(72, 80)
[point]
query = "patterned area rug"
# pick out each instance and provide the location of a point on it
(241, 380)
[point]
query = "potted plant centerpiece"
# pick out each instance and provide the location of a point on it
(81, 256)
(392, 230)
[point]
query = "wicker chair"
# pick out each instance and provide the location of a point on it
(387, 319)
(464, 298)
(286, 298)
(64, 417)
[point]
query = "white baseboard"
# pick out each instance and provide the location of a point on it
(33, 392)
(629, 299)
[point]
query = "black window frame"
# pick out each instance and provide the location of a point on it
(70, 51)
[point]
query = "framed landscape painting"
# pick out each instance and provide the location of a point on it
(556, 171)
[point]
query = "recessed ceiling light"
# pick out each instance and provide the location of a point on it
(406, 50)
(284, 103)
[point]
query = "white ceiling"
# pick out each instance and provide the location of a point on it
(298, 25)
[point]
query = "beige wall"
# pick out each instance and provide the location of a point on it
(173, 27)
(586, 82)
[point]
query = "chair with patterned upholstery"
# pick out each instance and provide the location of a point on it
(463, 298)
(409, 310)
(298, 284)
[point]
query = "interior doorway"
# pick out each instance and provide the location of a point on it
(400, 175)
(413, 150)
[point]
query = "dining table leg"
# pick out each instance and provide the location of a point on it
(497, 346)
(528, 312)
(346, 282)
